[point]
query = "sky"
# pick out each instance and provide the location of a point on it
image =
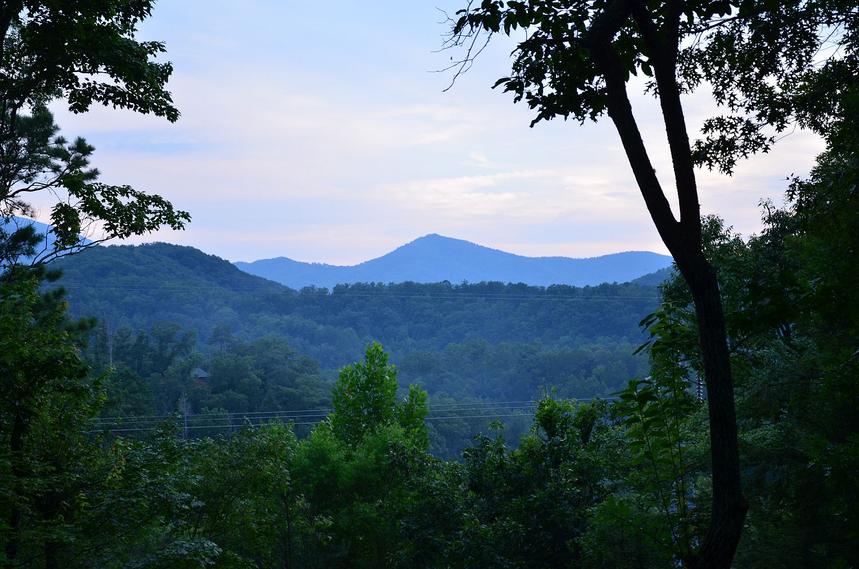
(322, 132)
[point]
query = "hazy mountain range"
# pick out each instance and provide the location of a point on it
(159, 284)
(435, 258)
(45, 245)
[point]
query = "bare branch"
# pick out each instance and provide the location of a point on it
(468, 35)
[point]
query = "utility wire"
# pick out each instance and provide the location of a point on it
(445, 412)
(239, 418)
(324, 410)
(240, 425)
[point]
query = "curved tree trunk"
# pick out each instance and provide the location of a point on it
(729, 507)
(684, 241)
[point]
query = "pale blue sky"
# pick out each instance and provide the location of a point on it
(318, 132)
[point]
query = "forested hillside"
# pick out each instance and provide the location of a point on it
(166, 310)
(160, 409)
(160, 283)
(585, 475)
(571, 489)
(475, 340)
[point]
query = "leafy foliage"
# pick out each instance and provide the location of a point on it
(792, 326)
(761, 61)
(82, 53)
(47, 397)
(364, 399)
(36, 159)
(766, 63)
(593, 485)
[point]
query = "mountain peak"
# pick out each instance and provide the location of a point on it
(438, 238)
(435, 258)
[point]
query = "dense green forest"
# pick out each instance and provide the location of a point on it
(601, 484)
(165, 311)
(268, 349)
(140, 287)
(163, 411)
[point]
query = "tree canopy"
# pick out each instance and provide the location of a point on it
(82, 53)
(760, 60)
(651, 479)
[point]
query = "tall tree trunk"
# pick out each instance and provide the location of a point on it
(16, 448)
(683, 239)
(51, 508)
(728, 507)
(51, 550)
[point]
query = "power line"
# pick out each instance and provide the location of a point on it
(297, 423)
(205, 421)
(324, 410)
(240, 418)
(445, 412)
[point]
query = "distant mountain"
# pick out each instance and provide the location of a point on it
(144, 284)
(16, 223)
(147, 285)
(46, 244)
(435, 258)
(655, 278)
(460, 342)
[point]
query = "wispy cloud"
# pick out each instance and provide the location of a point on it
(502, 194)
(333, 143)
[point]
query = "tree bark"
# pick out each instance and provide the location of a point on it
(16, 448)
(683, 239)
(729, 506)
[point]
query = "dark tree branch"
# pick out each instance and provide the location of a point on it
(620, 111)
(7, 14)
(606, 24)
(463, 65)
(663, 60)
(684, 241)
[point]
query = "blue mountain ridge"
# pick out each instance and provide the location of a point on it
(436, 258)
(46, 244)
